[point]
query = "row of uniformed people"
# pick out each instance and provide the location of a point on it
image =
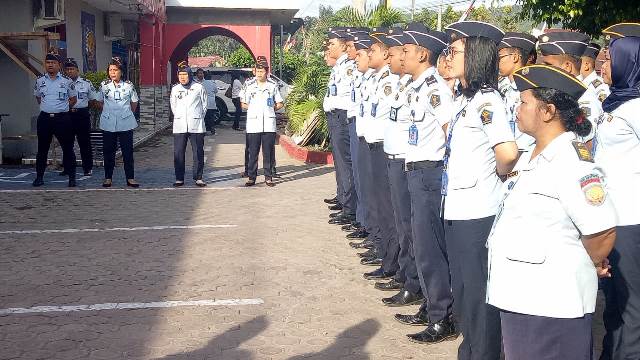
(477, 146)
(64, 103)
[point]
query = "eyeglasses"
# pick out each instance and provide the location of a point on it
(452, 52)
(500, 57)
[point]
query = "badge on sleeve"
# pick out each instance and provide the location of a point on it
(413, 135)
(387, 90)
(602, 96)
(486, 116)
(583, 152)
(596, 83)
(591, 186)
(349, 72)
(435, 100)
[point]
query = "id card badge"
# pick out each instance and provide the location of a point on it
(62, 96)
(82, 95)
(361, 110)
(116, 95)
(393, 114)
(333, 90)
(353, 95)
(512, 123)
(270, 101)
(374, 108)
(445, 183)
(413, 135)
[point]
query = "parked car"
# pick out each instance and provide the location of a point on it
(222, 77)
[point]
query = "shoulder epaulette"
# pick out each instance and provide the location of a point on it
(384, 75)
(430, 80)
(105, 82)
(583, 152)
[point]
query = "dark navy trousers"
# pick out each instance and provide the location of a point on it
(331, 124)
(478, 321)
(364, 174)
(622, 295)
(342, 161)
(353, 150)
(401, 202)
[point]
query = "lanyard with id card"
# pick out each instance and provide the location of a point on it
(116, 95)
(333, 90)
(447, 149)
(413, 135)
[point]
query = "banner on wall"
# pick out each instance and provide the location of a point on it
(88, 22)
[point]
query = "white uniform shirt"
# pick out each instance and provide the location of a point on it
(385, 85)
(54, 94)
(189, 106)
(327, 105)
(397, 129)
(116, 112)
(261, 98)
(596, 83)
(211, 88)
(470, 182)
(617, 150)
(511, 95)
(354, 105)
(431, 107)
(537, 263)
(85, 91)
(236, 88)
(340, 85)
(592, 109)
(363, 89)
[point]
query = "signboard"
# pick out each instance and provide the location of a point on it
(88, 23)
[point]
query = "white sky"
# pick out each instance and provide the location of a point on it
(310, 7)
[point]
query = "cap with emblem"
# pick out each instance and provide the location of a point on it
(53, 56)
(418, 34)
(563, 42)
(338, 32)
(362, 42)
(392, 37)
(70, 63)
(352, 32)
(184, 67)
(523, 41)
(462, 29)
(378, 33)
(592, 50)
(622, 30)
(544, 76)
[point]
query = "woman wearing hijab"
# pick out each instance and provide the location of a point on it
(189, 106)
(617, 150)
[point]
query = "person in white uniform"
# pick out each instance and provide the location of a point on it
(210, 86)
(479, 148)
(617, 150)
(588, 73)
(563, 50)
(188, 101)
(261, 98)
(554, 228)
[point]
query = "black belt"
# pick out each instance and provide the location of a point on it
(79, 109)
(361, 138)
(426, 164)
(375, 145)
(394, 157)
(51, 115)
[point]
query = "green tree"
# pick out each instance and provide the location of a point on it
(430, 17)
(589, 16)
(241, 57)
(293, 61)
(215, 45)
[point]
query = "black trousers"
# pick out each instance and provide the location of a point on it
(478, 321)
(238, 105)
(58, 125)
(110, 141)
(428, 241)
(268, 142)
(179, 149)
(246, 153)
(401, 201)
(81, 124)
(210, 119)
(622, 295)
(364, 170)
(342, 161)
(528, 337)
(331, 124)
(388, 247)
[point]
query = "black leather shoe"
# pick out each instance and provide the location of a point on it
(336, 214)
(354, 226)
(335, 207)
(38, 182)
(372, 261)
(403, 298)
(378, 274)
(341, 220)
(358, 234)
(72, 182)
(369, 253)
(436, 332)
(333, 200)
(362, 245)
(391, 285)
(419, 319)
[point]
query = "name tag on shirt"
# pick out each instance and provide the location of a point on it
(353, 95)
(374, 108)
(116, 95)
(82, 95)
(270, 101)
(333, 90)
(413, 135)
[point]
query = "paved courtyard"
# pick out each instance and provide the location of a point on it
(224, 272)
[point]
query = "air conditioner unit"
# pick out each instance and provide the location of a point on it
(113, 27)
(48, 13)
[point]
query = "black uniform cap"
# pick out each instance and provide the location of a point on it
(563, 42)
(544, 76)
(352, 32)
(53, 56)
(592, 50)
(523, 41)
(378, 33)
(418, 34)
(392, 37)
(462, 29)
(184, 67)
(362, 42)
(70, 62)
(622, 30)
(338, 32)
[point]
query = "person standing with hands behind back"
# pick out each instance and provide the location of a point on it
(118, 100)
(189, 106)
(261, 98)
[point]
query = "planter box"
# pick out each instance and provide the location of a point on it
(303, 154)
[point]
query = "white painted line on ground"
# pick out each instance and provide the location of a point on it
(139, 228)
(208, 188)
(129, 306)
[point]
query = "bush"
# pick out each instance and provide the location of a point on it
(240, 58)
